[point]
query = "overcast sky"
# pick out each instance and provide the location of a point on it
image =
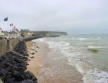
(74, 16)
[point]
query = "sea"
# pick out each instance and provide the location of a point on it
(88, 53)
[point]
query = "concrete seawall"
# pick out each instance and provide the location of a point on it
(14, 62)
(7, 45)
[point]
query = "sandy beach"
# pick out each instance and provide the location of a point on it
(50, 66)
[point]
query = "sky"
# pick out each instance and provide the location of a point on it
(73, 16)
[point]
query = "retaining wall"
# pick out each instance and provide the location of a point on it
(7, 45)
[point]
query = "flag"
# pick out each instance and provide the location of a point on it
(16, 29)
(5, 19)
(11, 24)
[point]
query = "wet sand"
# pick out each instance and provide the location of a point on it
(49, 66)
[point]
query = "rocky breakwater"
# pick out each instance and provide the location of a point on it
(13, 66)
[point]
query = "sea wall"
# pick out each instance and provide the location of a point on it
(14, 63)
(7, 45)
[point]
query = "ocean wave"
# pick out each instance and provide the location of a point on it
(82, 39)
(94, 47)
(90, 73)
(95, 76)
(39, 40)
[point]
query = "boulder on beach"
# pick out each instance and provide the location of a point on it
(93, 50)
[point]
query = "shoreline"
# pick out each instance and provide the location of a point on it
(36, 56)
(49, 67)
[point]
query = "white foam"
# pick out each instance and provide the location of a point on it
(95, 76)
(93, 47)
(82, 39)
(39, 40)
(90, 74)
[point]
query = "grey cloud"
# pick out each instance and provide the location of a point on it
(65, 15)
